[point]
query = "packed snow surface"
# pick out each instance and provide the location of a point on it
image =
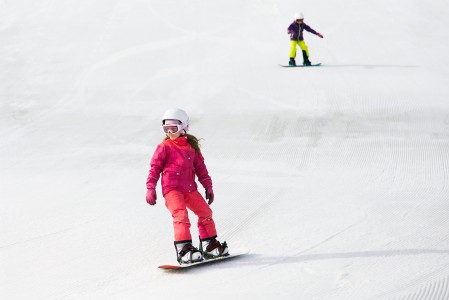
(335, 177)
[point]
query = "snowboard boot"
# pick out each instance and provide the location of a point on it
(211, 248)
(292, 62)
(186, 253)
(306, 59)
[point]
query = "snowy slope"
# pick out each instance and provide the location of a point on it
(335, 177)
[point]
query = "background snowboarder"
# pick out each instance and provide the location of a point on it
(296, 39)
(179, 159)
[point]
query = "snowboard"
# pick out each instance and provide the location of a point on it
(205, 262)
(301, 66)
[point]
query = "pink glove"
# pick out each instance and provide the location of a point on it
(151, 197)
(320, 35)
(210, 195)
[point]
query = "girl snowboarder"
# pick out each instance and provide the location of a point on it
(296, 39)
(179, 159)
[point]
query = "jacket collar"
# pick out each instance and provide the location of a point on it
(181, 141)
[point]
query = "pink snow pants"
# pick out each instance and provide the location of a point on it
(178, 203)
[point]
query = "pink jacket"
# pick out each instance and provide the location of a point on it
(179, 163)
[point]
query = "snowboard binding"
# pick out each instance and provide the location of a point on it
(211, 248)
(186, 253)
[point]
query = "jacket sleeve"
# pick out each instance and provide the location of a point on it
(201, 171)
(309, 29)
(290, 29)
(157, 164)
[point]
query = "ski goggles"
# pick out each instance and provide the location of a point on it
(172, 128)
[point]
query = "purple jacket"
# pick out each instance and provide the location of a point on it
(295, 30)
(179, 163)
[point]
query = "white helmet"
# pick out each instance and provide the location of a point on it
(299, 16)
(177, 114)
